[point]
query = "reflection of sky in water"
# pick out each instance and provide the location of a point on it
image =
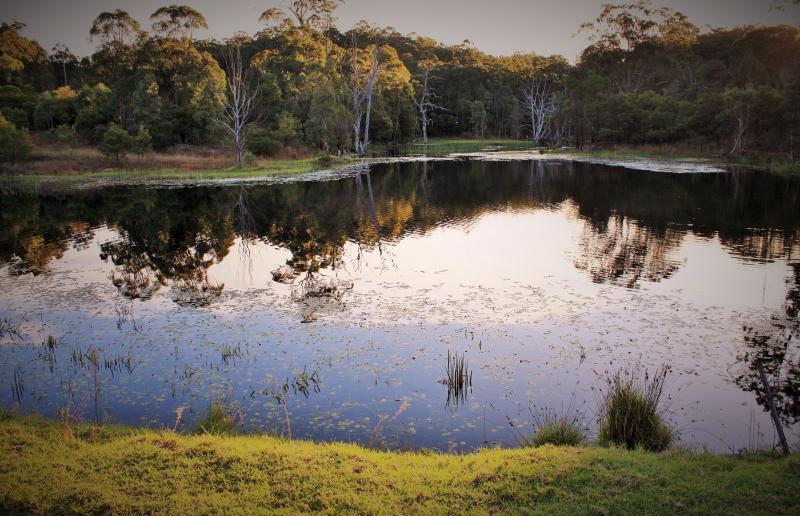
(534, 294)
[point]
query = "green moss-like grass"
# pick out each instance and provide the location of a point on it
(266, 169)
(45, 467)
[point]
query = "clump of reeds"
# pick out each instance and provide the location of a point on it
(458, 379)
(549, 427)
(219, 420)
(632, 411)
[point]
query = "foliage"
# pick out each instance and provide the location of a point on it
(288, 130)
(261, 142)
(142, 142)
(632, 412)
(66, 135)
(56, 107)
(649, 76)
(116, 142)
(88, 469)
(15, 143)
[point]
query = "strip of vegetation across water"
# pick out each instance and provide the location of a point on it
(46, 467)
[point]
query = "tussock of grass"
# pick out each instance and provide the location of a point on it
(632, 412)
(558, 432)
(219, 420)
(121, 470)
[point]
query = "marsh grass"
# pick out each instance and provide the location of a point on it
(218, 420)
(458, 379)
(551, 427)
(632, 410)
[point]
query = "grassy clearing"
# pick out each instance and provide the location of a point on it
(45, 467)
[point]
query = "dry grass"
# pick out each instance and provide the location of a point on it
(48, 159)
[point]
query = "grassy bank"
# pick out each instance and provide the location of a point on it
(272, 168)
(50, 163)
(47, 468)
(775, 164)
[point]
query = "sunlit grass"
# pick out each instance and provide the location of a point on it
(44, 468)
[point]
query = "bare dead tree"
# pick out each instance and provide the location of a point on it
(424, 103)
(239, 113)
(361, 84)
(539, 103)
(374, 68)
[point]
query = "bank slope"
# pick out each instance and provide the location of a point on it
(45, 467)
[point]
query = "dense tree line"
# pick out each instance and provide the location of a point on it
(649, 76)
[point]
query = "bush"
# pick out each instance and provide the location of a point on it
(289, 131)
(65, 135)
(260, 142)
(141, 143)
(16, 116)
(116, 142)
(15, 143)
(326, 159)
(219, 420)
(631, 411)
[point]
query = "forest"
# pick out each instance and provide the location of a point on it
(650, 77)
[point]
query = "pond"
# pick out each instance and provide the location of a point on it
(542, 275)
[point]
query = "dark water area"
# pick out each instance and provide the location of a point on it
(542, 275)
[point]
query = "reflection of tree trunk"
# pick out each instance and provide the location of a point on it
(372, 210)
(423, 181)
(246, 228)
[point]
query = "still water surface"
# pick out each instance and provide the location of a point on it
(543, 275)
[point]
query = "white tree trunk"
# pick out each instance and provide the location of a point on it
(539, 105)
(239, 109)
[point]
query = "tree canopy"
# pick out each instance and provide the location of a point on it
(648, 77)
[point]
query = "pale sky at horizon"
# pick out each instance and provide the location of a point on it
(498, 27)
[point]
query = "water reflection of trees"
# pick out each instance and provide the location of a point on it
(624, 252)
(776, 348)
(632, 220)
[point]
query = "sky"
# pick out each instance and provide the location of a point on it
(498, 26)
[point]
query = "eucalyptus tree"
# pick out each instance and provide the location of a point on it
(538, 97)
(116, 27)
(361, 68)
(22, 60)
(177, 22)
(61, 56)
(424, 98)
(240, 108)
(308, 14)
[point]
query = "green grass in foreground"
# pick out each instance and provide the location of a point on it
(47, 468)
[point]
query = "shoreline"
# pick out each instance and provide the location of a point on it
(232, 176)
(52, 467)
